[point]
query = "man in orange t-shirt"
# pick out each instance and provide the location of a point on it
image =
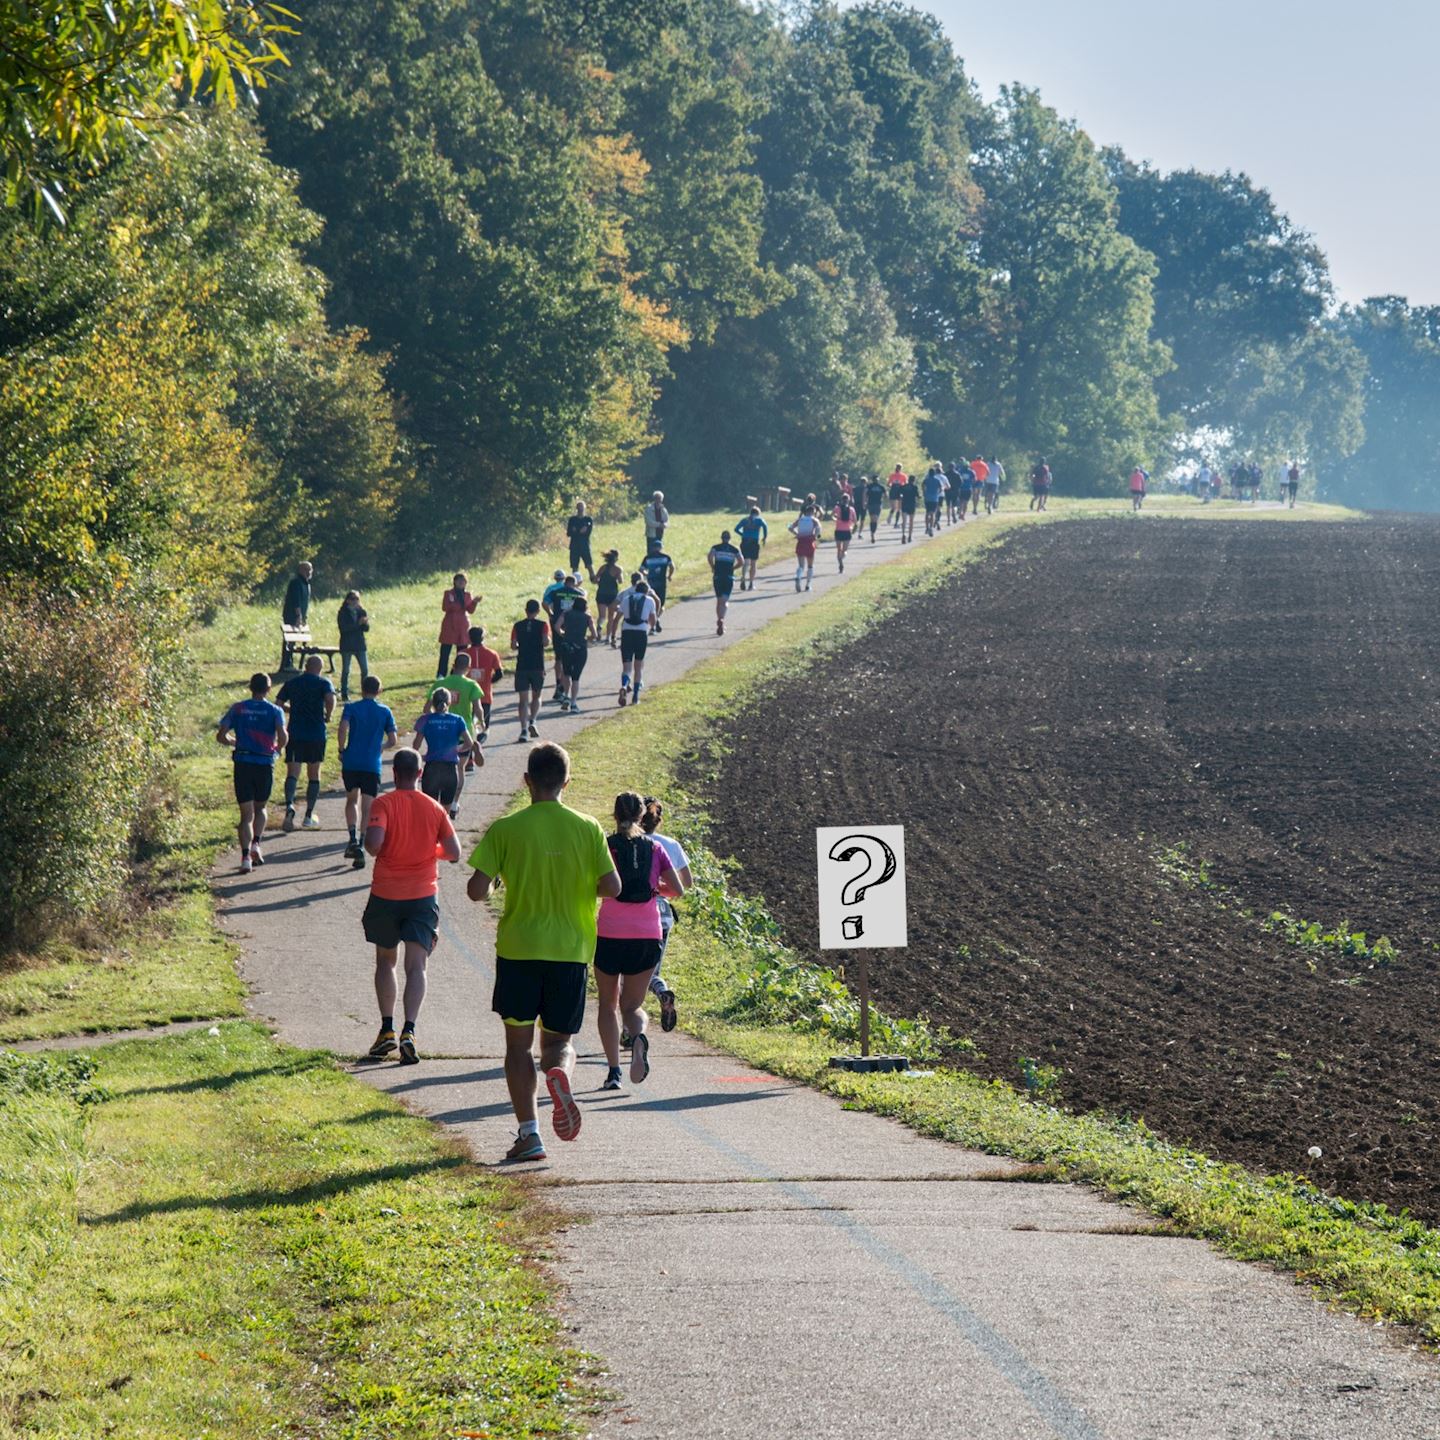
(485, 670)
(408, 833)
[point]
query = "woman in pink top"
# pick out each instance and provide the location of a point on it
(629, 944)
(459, 605)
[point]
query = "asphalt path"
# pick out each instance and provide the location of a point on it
(749, 1260)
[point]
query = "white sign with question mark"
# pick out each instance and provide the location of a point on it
(862, 887)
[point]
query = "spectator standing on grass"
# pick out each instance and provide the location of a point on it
(309, 700)
(753, 532)
(577, 531)
(553, 864)
(656, 518)
(528, 639)
(628, 939)
(367, 730)
(458, 605)
(408, 833)
(295, 608)
(354, 625)
(255, 730)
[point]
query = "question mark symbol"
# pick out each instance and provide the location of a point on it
(879, 867)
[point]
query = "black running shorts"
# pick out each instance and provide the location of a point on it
(361, 780)
(304, 752)
(529, 680)
(550, 991)
(627, 957)
(632, 644)
(389, 923)
(440, 780)
(253, 783)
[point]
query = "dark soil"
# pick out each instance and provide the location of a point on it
(1089, 697)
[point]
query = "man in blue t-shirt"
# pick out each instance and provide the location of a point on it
(658, 568)
(752, 531)
(366, 729)
(255, 730)
(309, 699)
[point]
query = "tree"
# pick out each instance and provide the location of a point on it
(81, 77)
(1235, 279)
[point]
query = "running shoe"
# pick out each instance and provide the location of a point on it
(565, 1114)
(358, 863)
(612, 1078)
(624, 696)
(658, 627)
(668, 1017)
(526, 1147)
(574, 707)
(534, 733)
(454, 811)
(719, 627)
(309, 823)
(245, 866)
(484, 736)
(522, 737)
(352, 849)
(383, 1046)
(626, 1039)
(256, 856)
(289, 823)
(635, 697)
(797, 584)
(639, 1060)
(407, 1049)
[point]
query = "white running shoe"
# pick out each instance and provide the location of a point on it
(309, 823)
(256, 856)
(244, 864)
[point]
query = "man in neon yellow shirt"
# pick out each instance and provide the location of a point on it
(554, 864)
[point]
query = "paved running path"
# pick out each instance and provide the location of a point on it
(760, 1262)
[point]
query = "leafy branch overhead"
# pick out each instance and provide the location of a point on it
(80, 79)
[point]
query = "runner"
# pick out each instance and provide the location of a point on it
(659, 569)
(844, 527)
(897, 483)
(528, 639)
(485, 669)
(723, 559)
(255, 729)
(637, 619)
(577, 629)
(353, 623)
(458, 604)
(1040, 482)
(467, 699)
(577, 530)
(981, 473)
(366, 729)
(680, 864)
(993, 483)
(1138, 482)
(953, 491)
(932, 488)
(446, 737)
(861, 502)
(562, 601)
(1292, 481)
(806, 530)
(553, 864)
(874, 503)
(909, 503)
(753, 532)
(608, 580)
(628, 943)
(407, 833)
(309, 701)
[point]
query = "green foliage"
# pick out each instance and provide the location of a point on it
(81, 730)
(1339, 941)
(1175, 862)
(70, 1076)
(1042, 1082)
(82, 77)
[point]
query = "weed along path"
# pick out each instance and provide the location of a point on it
(759, 1261)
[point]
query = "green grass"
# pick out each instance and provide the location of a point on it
(1379, 1264)
(233, 1238)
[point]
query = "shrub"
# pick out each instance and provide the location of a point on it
(81, 726)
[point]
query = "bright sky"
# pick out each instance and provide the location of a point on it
(1331, 105)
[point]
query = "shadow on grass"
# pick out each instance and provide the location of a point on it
(302, 1064)
(264, 1199)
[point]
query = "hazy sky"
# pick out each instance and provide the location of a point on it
(1331, 105)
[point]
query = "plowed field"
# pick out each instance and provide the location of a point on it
(1117, 748)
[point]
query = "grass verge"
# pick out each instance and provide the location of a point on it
(217, 1236)
(743, 992)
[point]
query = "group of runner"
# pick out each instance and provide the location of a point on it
(1247, 479)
